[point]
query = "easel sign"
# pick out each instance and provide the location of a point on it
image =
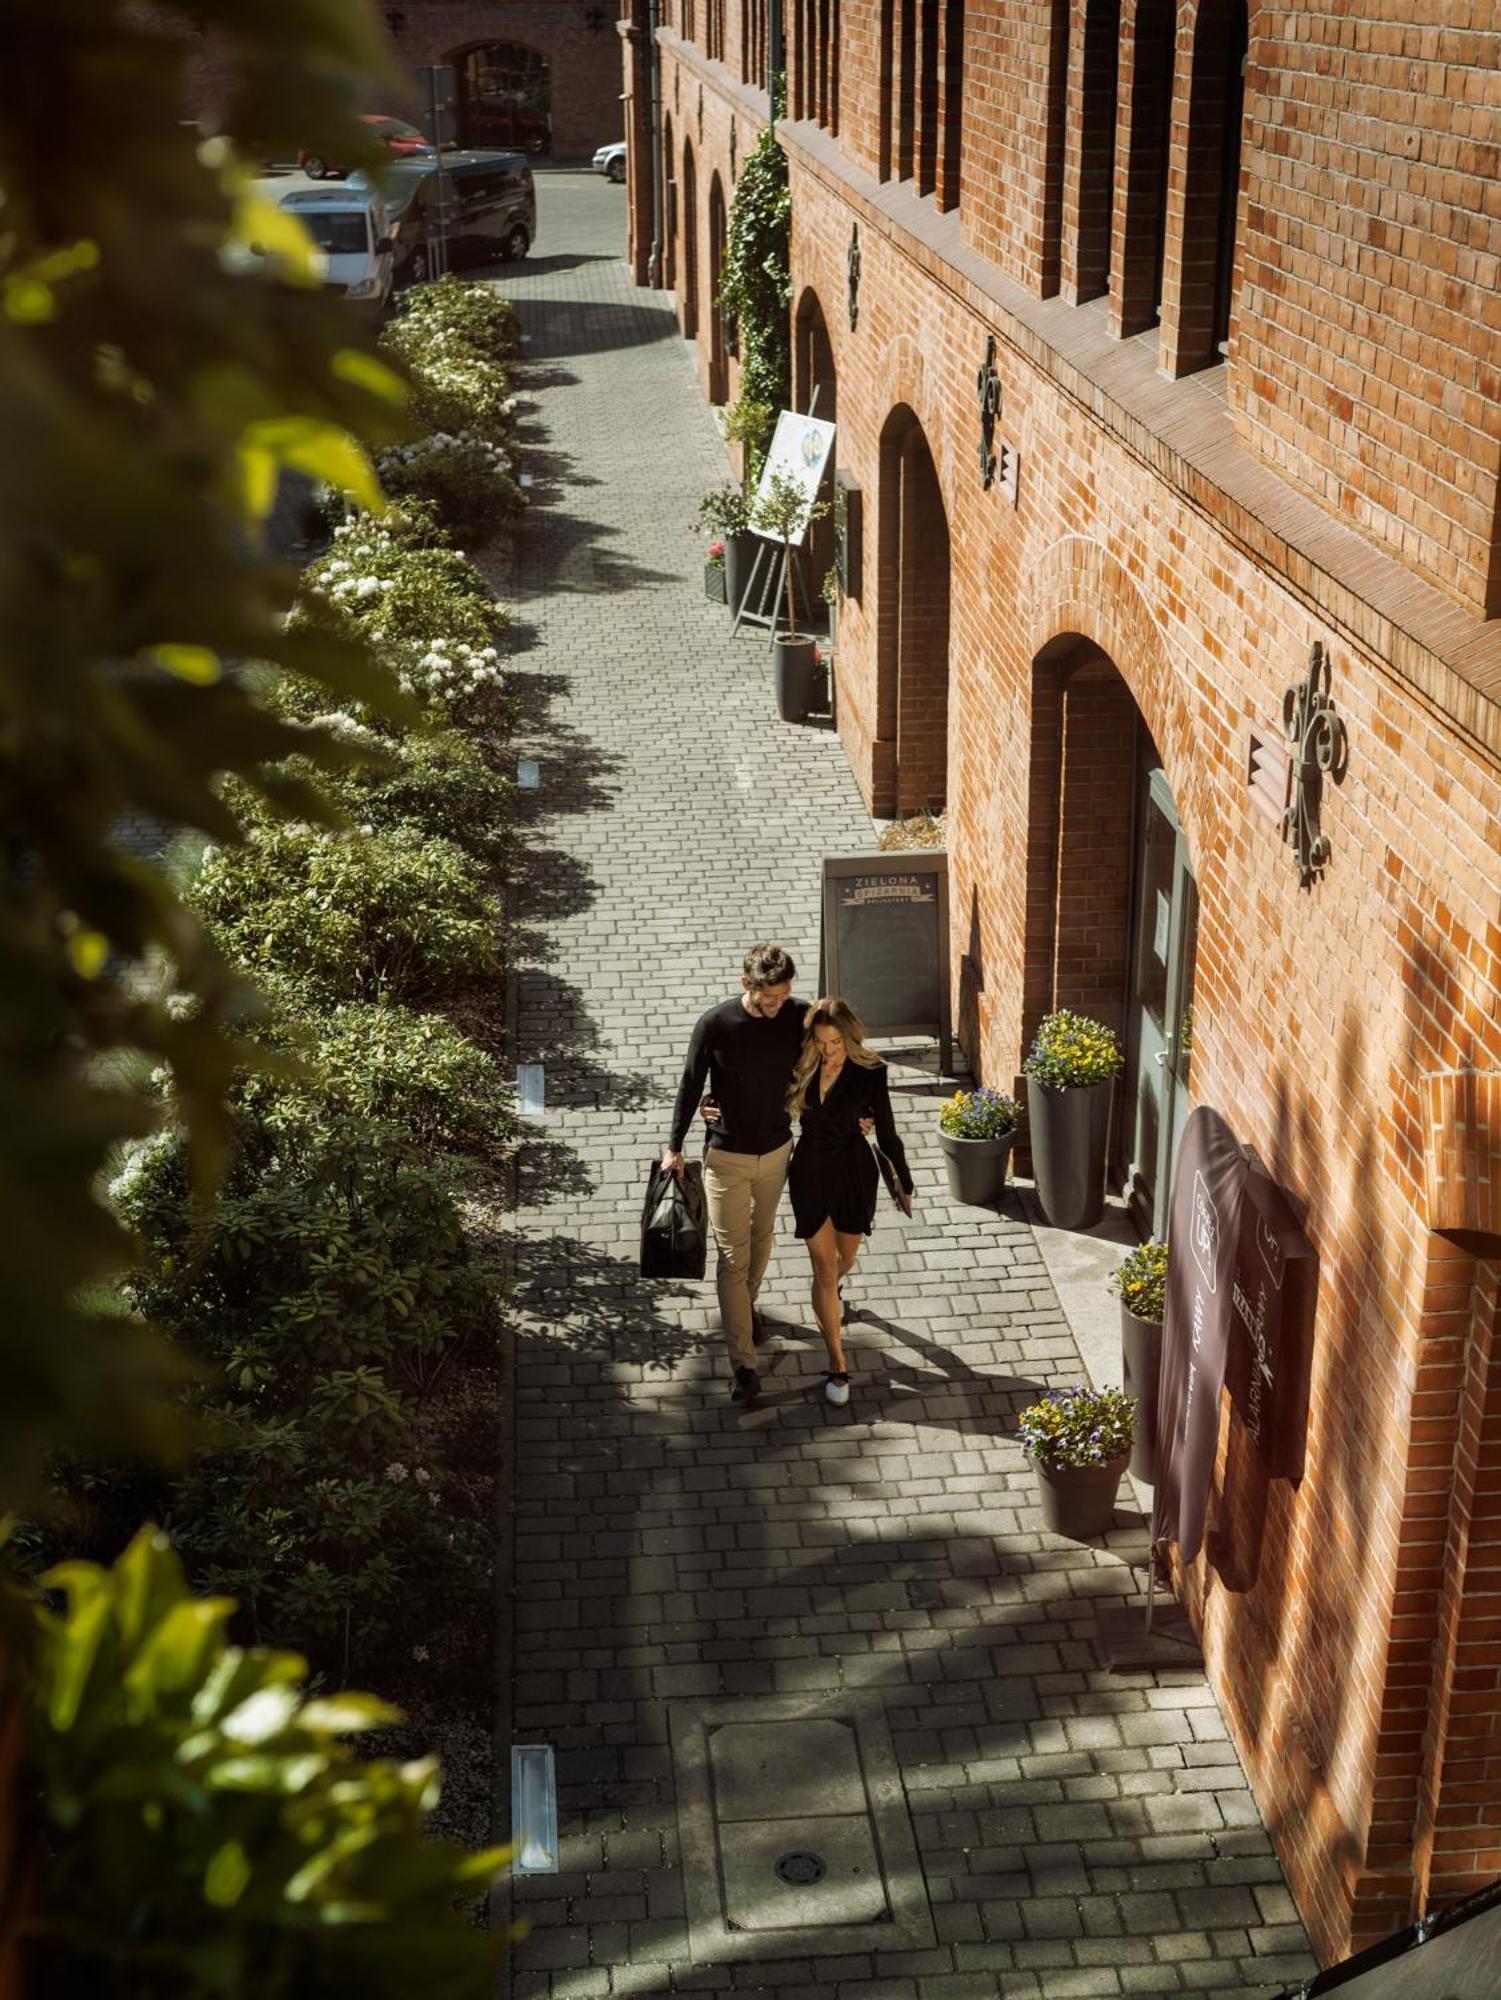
(801, 449)
(884, 942)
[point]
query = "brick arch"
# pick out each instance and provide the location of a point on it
(719, 364)
(688, 223)
(1098, 662)
(903, 374)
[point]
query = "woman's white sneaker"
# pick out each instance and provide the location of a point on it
(836, 1389)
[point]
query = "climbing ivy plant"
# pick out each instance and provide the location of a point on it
(754, 287)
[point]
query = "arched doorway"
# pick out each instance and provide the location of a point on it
(815, 389)
(689, 299)
(1112, 903)
(504, 97)
(719, 367)
(912, 687)
(669, 209)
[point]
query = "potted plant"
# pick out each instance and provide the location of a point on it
(1077, 1441)
(714, 588)
(1071, 1070)
(1140, 1279)
(977, 1129)
(724, 515)
(783, 510)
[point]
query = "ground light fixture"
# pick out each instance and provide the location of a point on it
(534, 1809)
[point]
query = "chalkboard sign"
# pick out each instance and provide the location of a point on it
(885, 942)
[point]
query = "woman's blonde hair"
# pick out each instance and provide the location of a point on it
(830, 1012)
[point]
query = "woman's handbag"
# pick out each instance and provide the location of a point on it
(674, 1223)
(888, 1174)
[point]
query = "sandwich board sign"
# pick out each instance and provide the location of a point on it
(801, 449)
(885, 942)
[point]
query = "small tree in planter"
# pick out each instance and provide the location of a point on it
(1071, 1070)
(724, 514)
(977, 1130)
(1077, 1441)
(1140, 1279)
(782, 511)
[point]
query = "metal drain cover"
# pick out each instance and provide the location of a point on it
(801, 1869)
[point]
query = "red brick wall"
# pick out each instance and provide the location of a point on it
(1317, 1011)
(1369, 323)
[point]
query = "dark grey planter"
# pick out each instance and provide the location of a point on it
(739, 554)
(714, 585)
(977, 1167)
(1079, 1500)
(792, 670)
(1141, 1369)
(1070, 1131)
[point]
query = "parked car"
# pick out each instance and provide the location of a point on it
(489, 210)
(351, 227)
(401, 140)
(610, 161)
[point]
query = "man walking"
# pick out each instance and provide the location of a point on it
(746, 1049)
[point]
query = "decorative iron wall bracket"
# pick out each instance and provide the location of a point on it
(988, 387)
(852, 268)
(1319, 745)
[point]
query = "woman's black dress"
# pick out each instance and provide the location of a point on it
(833, 1175)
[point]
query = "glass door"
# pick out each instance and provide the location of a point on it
(1159, 1003)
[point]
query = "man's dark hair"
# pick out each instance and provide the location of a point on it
(769, 965)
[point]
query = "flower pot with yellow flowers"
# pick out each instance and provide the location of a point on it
(1077, 1442)
(1140, 1280)
(977, 1130)
(1071, 1070)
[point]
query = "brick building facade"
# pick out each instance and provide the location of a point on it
(1240, 273)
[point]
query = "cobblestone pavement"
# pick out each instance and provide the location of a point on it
(1078, 1833)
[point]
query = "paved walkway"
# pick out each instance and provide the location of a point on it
(1077, 1833)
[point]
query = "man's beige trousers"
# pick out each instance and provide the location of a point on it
(742, 1191)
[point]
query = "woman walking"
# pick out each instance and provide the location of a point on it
(838, 1090)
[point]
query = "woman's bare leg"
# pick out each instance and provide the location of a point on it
(823, 1253)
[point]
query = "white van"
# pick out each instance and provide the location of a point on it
(350, 226)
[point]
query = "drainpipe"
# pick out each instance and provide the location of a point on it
(654, 261)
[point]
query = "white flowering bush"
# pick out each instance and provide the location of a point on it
(453, 319)
(460, 392)
(393, 588)
(350, 916)
(467, 478)
(440, 781)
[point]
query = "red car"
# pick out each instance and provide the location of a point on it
(402, 142)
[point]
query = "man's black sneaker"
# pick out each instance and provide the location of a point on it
(760, 1328)
(747, 1386)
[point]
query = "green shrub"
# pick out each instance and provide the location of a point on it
(1071, 1051)
(439, 781)
(326, 1292)
(393, 587)
(415, 1075)
(754, 288)
(207, 1828)
(455, 320)
(454, 393)
(467, 479)
(358, 916)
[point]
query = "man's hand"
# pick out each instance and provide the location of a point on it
(867, 1126)
(709, 1111)
(673, 1163)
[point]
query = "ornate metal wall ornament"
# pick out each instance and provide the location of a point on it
(1317, 738)
(988, 387)
(852, 266)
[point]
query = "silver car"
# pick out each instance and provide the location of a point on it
(610, 161)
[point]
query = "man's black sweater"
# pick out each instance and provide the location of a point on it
(748, 1063)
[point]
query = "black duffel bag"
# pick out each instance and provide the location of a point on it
(674, 1223)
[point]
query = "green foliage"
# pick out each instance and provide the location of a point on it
(338, 916)
(150, 393)
(1071, 1051)
(209, 1833)
(782, 510)
(467, 480)
(978, 1114)
(328, 1289)
(724, 511)
(1079, 1426)
(460, 321)
(440, 782)
(1141, 1280)
(386, 583)
(754, 287)
(751, 422)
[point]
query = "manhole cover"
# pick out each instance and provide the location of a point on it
(801, 1869)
